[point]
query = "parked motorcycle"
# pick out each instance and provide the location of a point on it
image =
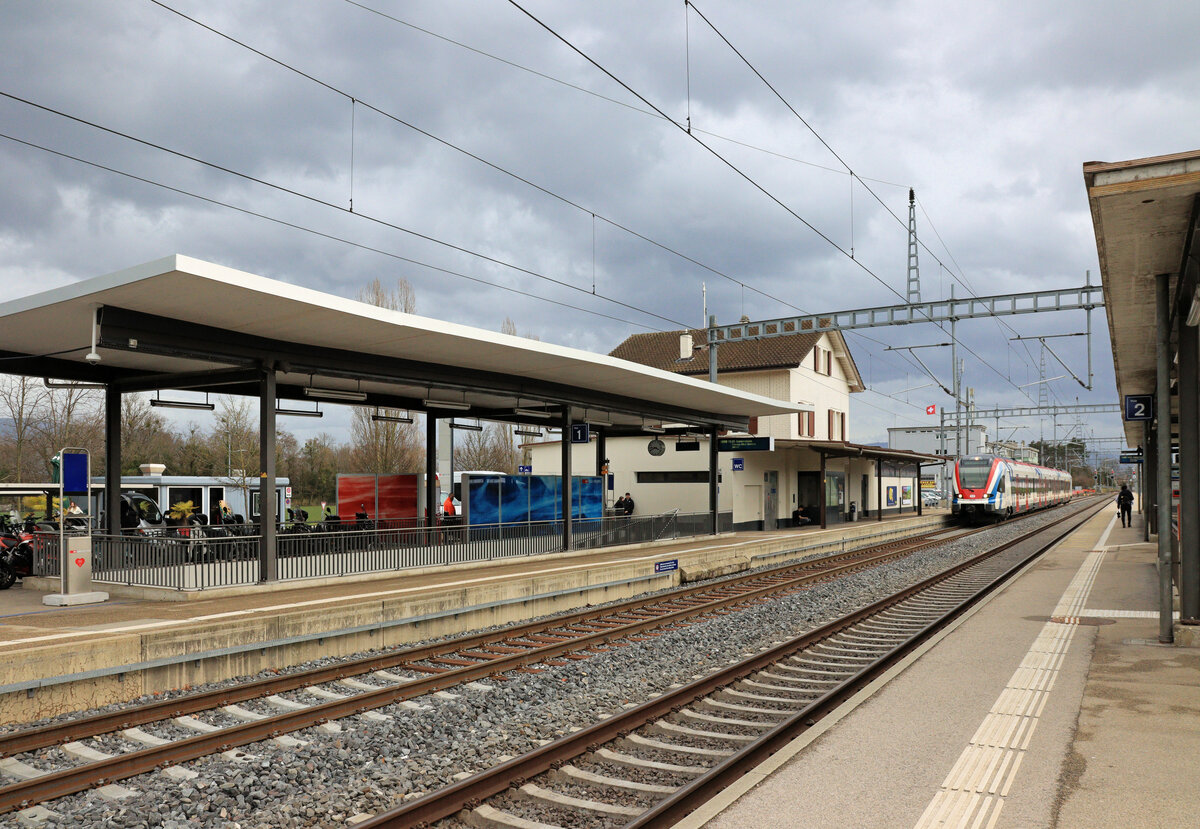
(16, 552)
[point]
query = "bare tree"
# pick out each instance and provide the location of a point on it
(71, 417)
(492, 449)
(145, 437)
(234, 445)
(386, 446)
(22, 404)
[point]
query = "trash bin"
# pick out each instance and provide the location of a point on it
(853, 511)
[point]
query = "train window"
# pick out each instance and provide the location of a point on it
(973, 472)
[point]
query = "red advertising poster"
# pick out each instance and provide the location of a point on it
(379, 496)
(355, 493)
(397, 496)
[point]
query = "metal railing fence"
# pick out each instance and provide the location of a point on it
(196, 558)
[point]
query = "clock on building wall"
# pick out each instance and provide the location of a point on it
(656, 447)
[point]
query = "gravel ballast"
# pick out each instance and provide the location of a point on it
(371, 765)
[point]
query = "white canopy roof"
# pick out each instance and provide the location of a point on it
(178, 322)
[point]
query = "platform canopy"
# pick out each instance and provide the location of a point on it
(1144, 213)
(182, 323)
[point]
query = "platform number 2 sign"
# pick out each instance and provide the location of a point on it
(1139, 407)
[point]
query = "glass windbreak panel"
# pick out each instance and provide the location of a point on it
(973, 472)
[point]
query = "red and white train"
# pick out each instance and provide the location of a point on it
(988, 487)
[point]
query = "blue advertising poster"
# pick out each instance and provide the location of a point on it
(496, 499)
(891, 496)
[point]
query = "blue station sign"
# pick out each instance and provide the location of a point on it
(666, 566)
(1139, 407)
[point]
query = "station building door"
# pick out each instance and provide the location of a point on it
(835, 496)
(770, 500)
(808, 495)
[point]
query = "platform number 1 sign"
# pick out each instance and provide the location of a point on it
(1139, 407)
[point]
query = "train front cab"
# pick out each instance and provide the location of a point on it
(977, 481)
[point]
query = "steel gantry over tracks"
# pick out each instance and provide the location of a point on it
(1085, 298)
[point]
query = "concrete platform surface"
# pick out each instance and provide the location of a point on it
(1052, 705)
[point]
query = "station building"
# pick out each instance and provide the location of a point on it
(784, 465)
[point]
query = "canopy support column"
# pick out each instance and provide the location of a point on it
(267, 553)
(1189, 471)
(431, 481)
(821, 492)
(1162, 413)
(879, 487)
(713, 456)
(566, 480)
(918, 495)
(112, 460)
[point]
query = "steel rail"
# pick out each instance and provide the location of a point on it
(68, 781)
(468, 793)
(45, 736)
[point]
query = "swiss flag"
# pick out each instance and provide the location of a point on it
(931, 409)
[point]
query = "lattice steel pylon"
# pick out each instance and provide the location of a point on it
(914, 270)
(1043, 392)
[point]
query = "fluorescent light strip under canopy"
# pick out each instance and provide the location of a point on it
(336, 394)
(300, 412)
(540, 413)
(182, 404)
(466, 427)
(457, 405)
(529, 433)
(384, 418)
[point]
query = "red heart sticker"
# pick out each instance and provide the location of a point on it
(79, 562)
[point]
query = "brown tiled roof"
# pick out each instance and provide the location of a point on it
(661, 350)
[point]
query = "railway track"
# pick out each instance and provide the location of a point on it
(101, 749)
(653, 764)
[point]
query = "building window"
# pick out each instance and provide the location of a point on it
(837, 425)
(807, 424)
(822, 360)
(681, 477)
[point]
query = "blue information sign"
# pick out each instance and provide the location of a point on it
(1139, 407)
(75, 473)
(580, 433)
(522, 469)
(666, 566)
(739, 464)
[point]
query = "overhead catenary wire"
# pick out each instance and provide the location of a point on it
(741, 173)
(331, 205)
(354, 100)
(650, 113)
(452, 146)
(320, 233)
(834, 153)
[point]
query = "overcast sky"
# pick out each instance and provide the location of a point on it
(987, 109)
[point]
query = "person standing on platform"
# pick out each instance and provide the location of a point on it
(448, 507)
(628, 504)
(1125, 506)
